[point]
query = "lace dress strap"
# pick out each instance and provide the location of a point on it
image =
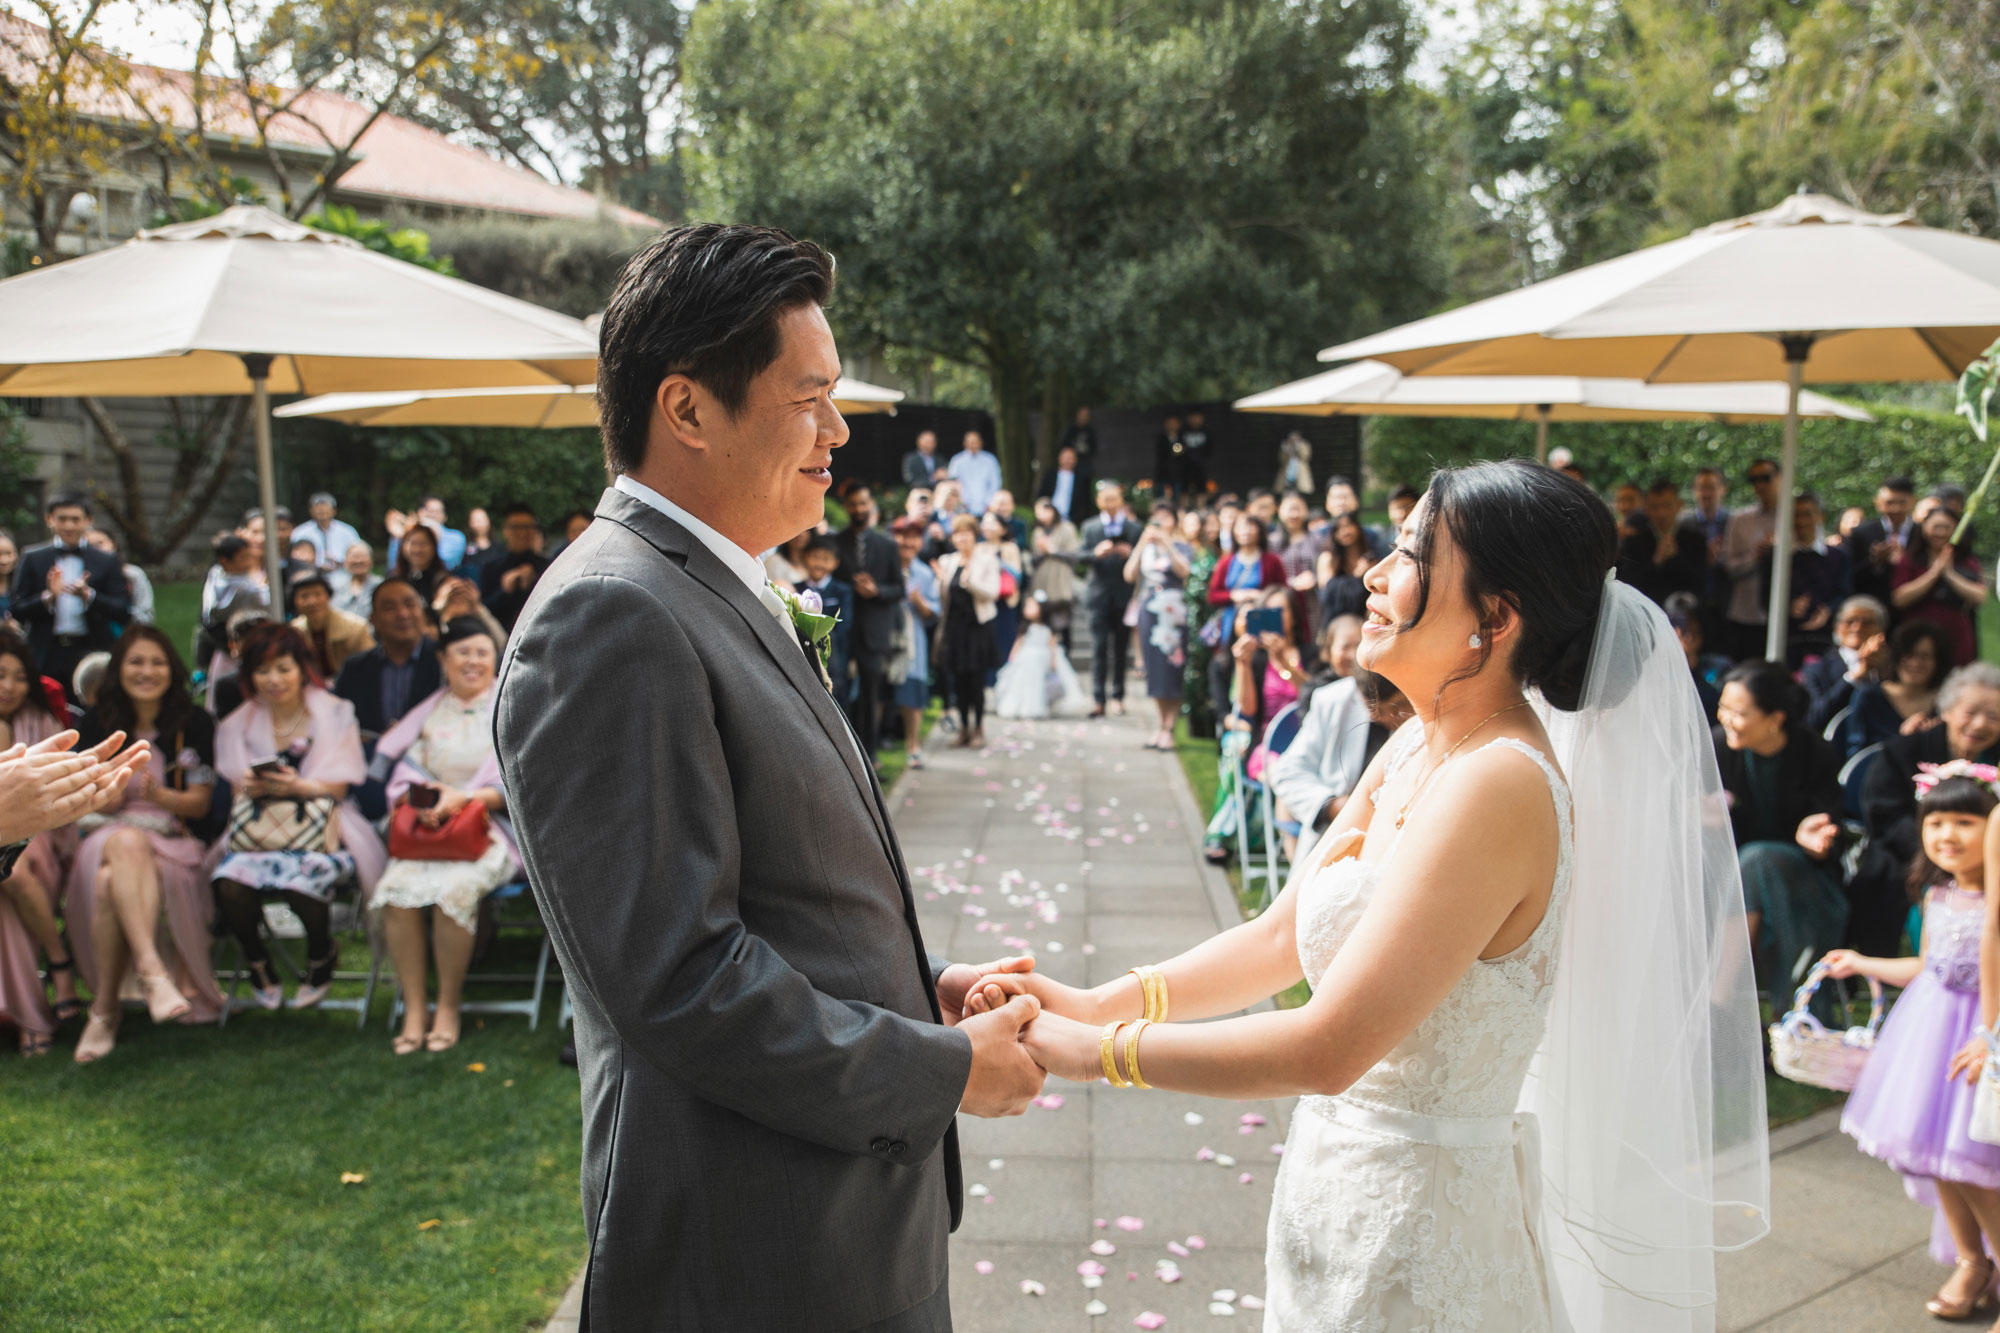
(1565, 831)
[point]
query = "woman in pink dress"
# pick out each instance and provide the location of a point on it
(28, 896)
(139, 904)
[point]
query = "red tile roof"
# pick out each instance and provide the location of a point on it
(397, 159)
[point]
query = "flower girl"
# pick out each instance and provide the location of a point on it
(1906, 1108)
(1038, 680)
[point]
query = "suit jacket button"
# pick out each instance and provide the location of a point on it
(881, 1145)
(898, 1148)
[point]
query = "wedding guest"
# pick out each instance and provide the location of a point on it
(1294, 464)
(385, 682)
(970, 576)
(1240, 582)
(1628, 507)
(1819, 580)
(917, 505)
(69, 596)
(1346, 723)
(1710, 510)
(1664, 554)
(920, 601)
(334, 635)
(1860, 656)
(139, 903)
(30, 891)
(976, 471)
(869, 565)
(1037, 681)
(822, 561)
(139, 587)
(331, 537)
(354, 583)
(1851, 519)
(1783, 789)
(1007, 611)
(1342, 565)
(1080, 435)
(10, 558)
(1269, 671)
(1205, 545)
(416, 560)
(1194, 463)
(1904, 699)
(1746, 550)
(572, 526)
(785, 563)
(235, 582)
(1158, 570)
(920, 465)
(947, 504)
(479, 544)
(1299, 549)
(1263, 506)
(1002, 508)
(309, 736)
(1065, 486)
(1401, 501)
(444, 755)
(1106, 545)
(450, 541)
(252, 530)
(1684, 615)
(1170, 459)
(1939, 582)
(508, 575)
(1901, 1111)
(225, 677)
(1879, 544)
(1053, 545)
(302, 554)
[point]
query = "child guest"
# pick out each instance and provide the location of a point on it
(1906, 1109)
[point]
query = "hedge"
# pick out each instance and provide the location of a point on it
(1842, 461)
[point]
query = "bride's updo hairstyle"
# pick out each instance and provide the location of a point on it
(1538, 540)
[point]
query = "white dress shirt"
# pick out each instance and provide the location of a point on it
(1065, 489)
(329, 544)
(69, 607)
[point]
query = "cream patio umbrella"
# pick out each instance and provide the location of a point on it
(1812, 290)
(551, 407)
(1376, 388)
(248, 302)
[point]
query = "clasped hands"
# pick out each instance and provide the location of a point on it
(1023, 1026)
(44, 786)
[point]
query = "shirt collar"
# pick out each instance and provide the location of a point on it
(738, 561)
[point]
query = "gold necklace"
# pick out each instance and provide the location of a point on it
(1425, 780)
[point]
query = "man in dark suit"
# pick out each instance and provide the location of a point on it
(387, 681)
(69, 596)
(872, 567)
(506, 579)
(1874, 548)
(771, 1061)
(1106, 545)
(1860, 655)
(1081, 436)
(1664, 554)
(1066, 485)
(1170, 460)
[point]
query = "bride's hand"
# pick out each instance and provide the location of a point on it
(1002, 976)
(1066, 1048)
(995, 989)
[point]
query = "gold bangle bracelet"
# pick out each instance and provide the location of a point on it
(1145, 992)
(1132, 1053)
(1153, 991)
(1105, 1049)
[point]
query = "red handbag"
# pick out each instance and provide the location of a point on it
(463, 837)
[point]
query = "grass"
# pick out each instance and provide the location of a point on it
(193, 1179)
(176, 610)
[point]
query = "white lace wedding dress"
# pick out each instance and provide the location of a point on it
(1409, 1203)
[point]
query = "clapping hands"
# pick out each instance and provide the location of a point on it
(44, 786)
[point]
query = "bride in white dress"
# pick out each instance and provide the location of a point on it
(1530, 1073)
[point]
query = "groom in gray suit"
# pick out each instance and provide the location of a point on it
(771, 1061)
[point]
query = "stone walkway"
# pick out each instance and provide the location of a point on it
(1067, 839)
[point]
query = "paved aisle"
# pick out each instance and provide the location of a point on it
(1068, 838)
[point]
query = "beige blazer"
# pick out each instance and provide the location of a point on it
(982, 579)
(346, 635)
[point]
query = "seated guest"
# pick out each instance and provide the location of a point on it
(28, 895)
(138, 901)
(1782, 784)
(1820, 580)
(507, 577)
(822, 557)
(330, 537)
(307, 744)
(354, 582)
(225, 679)
(1905, 699)
(1348, 557)
(416, 561)
(1663, 554)
(334, 635)
(1345, 724)
(1938, 582)
(1860, 656)
(1269, 670)
(458, 596)
(444, 758)
(1686, 621)
(389, 679)
(235, 582)
(1969, 703)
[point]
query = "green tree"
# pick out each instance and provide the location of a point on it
(1177, 200)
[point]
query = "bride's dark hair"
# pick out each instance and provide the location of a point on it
(1538, 540)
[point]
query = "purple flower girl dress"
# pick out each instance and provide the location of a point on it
(1902, 1110)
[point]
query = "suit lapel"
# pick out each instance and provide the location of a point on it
(780, 641)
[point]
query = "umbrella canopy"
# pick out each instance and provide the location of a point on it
(1810, 290)
(548, 407)
(248, 301)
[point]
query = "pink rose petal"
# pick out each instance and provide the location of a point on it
(1277, 1150)
(1150, 1320)
(1197, 1243)
(1245, 1178)
(1175, 1247)
(1091, 1268)
(1131, 1224)
(1100, 1224)
(1205, 1155)
(1101, 1246)
(1250, 1118)
(984, 1267)
(1030, 1287)
(1251, 1302)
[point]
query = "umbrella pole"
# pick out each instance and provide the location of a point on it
(1778, 631)
(1541, 432)
(259, 367)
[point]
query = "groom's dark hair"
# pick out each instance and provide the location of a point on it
(704, 302)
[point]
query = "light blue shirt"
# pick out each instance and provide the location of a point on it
(978, 477)
(330, 545)
(451, 548)
(69, 606)
(1065, 488)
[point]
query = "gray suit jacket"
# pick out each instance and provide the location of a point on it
(768, 1095)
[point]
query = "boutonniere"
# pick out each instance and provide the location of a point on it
(813, 626)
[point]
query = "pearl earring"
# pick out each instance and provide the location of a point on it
(1474, 641)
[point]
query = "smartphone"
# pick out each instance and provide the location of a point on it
(264, 768)
(422, 797)
(1265, 620)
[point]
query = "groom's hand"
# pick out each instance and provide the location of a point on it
(1004, 1078)
(957, 981)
